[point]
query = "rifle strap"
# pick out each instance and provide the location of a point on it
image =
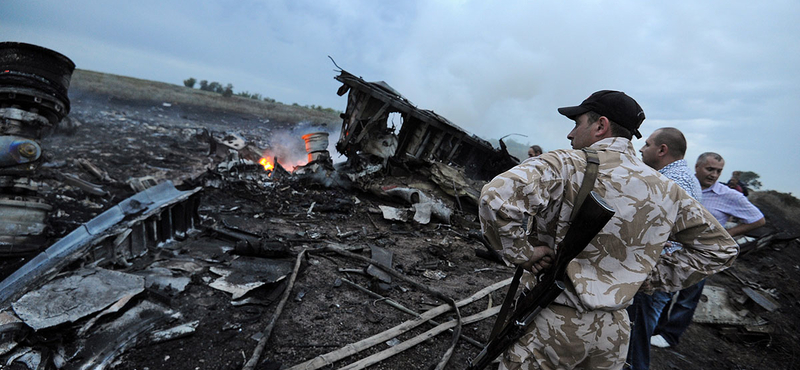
(592, 166)
(505, 310)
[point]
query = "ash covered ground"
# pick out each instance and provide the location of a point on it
(131, 138)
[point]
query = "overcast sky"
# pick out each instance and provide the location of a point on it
(726, 73)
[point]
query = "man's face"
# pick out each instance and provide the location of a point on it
(581, 136)
(708, 172)
(531, 153)
(650, 151)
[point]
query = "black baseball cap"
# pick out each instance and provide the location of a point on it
(615, 105)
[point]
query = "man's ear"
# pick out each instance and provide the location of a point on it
(603, 127)
(663, 150)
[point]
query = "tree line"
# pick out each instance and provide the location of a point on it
(227, 91)
(213, 86)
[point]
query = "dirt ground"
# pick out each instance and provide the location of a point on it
(132, 138)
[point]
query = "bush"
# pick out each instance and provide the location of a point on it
(215, 87)
(227, 91)
(750, 179)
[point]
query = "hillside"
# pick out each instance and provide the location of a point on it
(135, 90)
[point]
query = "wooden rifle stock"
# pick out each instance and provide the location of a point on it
(590, 219)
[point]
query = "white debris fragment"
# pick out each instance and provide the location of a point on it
(434, 274)
(179, 331)
(395, 214)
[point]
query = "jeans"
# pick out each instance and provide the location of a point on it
(644, 314)
(673, 323)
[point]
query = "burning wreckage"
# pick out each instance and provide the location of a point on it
(194, 267)
(147, 269)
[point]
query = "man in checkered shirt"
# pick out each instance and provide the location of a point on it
(723, 203)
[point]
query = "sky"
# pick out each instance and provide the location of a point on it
(726, 73)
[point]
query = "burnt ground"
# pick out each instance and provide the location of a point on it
(132, 138)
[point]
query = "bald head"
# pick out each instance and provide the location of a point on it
(673, 139)
(664, 146)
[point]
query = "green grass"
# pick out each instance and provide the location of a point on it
(143, 90)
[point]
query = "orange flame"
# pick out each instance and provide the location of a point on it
(268, 166)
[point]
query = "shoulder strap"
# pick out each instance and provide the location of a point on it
(592, 166)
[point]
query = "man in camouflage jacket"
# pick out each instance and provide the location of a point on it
(587, 325)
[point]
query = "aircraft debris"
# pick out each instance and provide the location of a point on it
(72, 297)
(248, 273)
(424, 135)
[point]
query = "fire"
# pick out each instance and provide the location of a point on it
(268, 166)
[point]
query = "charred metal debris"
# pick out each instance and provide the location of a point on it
(423, 136)
(33, 99)
(214, 251)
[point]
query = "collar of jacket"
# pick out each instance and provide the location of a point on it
(616, 144)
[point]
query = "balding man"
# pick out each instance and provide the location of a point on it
(724, 203)
(663, 151)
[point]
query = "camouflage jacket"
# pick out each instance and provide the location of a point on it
(649, 208)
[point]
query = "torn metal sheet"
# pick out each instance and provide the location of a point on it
(210, 250)
(394, 214)
(72, 297)
(715, 308)
(164, 279)
(422, 212)
(152, 216)
(248, 273)
(12, 330)
(384, 257)
(111, 339)
(28, 356)
(761, 298)
(237, 290)
(116, 307)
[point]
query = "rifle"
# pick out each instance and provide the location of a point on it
(590, 218)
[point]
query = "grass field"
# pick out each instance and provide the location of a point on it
(135, 89)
